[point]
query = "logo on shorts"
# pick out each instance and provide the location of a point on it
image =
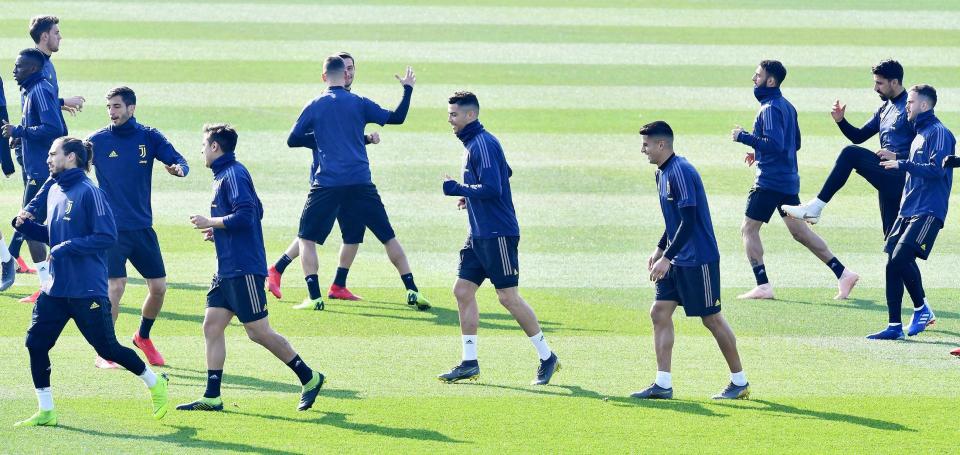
(923, 247)
(94, 306)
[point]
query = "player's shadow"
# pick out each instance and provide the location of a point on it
(785, 410)
(165, 314)
(868, 305)
(171, 285)
(341, 420)
(185, 437)
(450, 317)
(686, 407)
(240, 382)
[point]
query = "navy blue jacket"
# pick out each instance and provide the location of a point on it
(927, 190)
(240, 249)
(51, 73)
(6, 161)
(124, 157)
(79, 230)
(680, 187)
(40, 126)
(890, 121)
(775, 141)
(337, 119)
(486, 185)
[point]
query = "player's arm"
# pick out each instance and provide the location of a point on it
(104, 233)
(940, 146)
(242, 207)
(49, 127)
(303, 126)
(31, 229)
(771, 132)
(175, 163)
(488, 174)
(305, 141)
(852, 133)
(6, 161)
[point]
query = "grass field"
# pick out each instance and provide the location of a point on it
(565, 85)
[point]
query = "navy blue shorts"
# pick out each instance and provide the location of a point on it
(917, 233)
(761, 203)
(30, 189)
(696, 288)
(142, 248)
(357, 207)
(243, 295)
(496, 259)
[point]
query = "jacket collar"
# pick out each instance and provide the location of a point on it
(470, 131)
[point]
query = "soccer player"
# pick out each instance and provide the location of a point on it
(490, 251)
(80, 229)
(45, 32)
(237, 288)
(123, 155)
(8, 264)
(890, 122)
(926, 194)
(39, 126)
(685, 265)
(775, 141)
(350, 230)
(336, 120)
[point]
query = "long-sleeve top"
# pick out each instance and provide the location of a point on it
(486, 185)
(690, 240)
(51, 74)
(6, 161)
(927, 189)
(124, 157)
(80, 228)
(39, 126)
(890, 121)
(337, 118)
(240, 249)
(775, 141)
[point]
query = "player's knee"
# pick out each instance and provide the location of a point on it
(211, 330)
(658, 315)
(462, 293)
(158, 289)
(38, 343)
(258, 336)
(848, 154)
(747, 230)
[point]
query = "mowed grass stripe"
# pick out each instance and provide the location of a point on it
(460, 14)
(581, 33)
(468, 74)
(515, 53)
(500, 121)
(507, 96)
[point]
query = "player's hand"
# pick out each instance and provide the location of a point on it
(659, 269)
(890, 164)
(735, 132)
(838, 111)
(174, 170)
(461, 203)
(447, 178)
(6, 129)
(750, 158)
(654, 257)
(207, 234)
(25, 215)
(373, 138)
(75, 103)
(201, 222)
(70, 110)
(885, 155)
(408, 79)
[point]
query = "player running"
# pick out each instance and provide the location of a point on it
(80, 228)
(490, 251)
(923, 209)
(685, 265)
(775, 141)
(237, 288)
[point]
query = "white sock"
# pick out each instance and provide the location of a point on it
(816, 204)
(664, 380)
(4, 252)
(895, 324)
(43, 271)
(738, 379)
(469, 347)
(540, 342)
(45, 398)
(149, 377)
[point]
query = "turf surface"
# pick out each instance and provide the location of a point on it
(565, 85)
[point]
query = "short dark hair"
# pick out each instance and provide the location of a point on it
(334, 64)
(223, 134)
(40, 25)
(889, 69)
(83, 150)
(465, 99)
(774, 69)
(34, 55)
(125, 93)
(657, 128)
(345, 55)
(926, 91)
